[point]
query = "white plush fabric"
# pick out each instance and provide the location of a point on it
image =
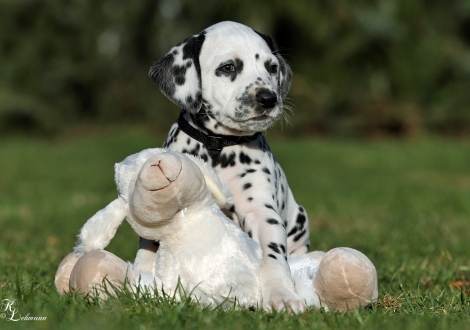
(206, 252)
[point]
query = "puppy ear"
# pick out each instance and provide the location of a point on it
(284, 77)
(285, 73)
(178, 74)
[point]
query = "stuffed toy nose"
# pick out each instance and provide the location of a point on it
(159, 171)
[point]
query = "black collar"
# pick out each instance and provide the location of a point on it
(213, 142)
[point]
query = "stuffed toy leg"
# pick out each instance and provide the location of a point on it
(175, 199)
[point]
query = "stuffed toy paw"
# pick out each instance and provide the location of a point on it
(175, 199)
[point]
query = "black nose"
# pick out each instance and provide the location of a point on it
(266, 98)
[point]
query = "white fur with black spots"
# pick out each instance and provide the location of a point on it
(230, 80)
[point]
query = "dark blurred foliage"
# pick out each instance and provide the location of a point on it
(361, 68)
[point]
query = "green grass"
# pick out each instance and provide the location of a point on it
(405, 204)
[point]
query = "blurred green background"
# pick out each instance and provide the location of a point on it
(361, 68)
(75, 98)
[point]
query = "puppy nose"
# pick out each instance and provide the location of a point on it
(266, 98)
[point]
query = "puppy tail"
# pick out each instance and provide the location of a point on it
(101, 228)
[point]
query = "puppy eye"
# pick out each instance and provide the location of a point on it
(273, 68)
(228, 68)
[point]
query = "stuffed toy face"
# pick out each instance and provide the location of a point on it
(153, 185)
(166, 184)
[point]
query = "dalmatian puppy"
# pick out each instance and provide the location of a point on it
(230, 82)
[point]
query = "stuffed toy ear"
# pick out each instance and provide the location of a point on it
(178, 74)
(126, 172)
(101, 228)
(284, 75)
(220, 192)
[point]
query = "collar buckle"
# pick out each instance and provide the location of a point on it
(214, 143)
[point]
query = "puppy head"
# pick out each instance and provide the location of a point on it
(229, 71)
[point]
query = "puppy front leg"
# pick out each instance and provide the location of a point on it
(277, 287)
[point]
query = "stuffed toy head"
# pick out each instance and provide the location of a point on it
(153, 186)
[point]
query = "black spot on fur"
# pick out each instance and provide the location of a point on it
(272, 221)
(192, 48)
(257, 56)
(283, 248)
(273, 246)
(301, 219)
(293, 231)
(194, 151)
(257, 162)
(250, 234)
(189, 99)
(249, 199)
(244, 158)
(179, 72)
(188, 141)
(172, 137)
(269, 206)
(223, 159)
(247, 186)
(204, 157)
(299, 235)
(251, 170)
(266, 170)
(272, 256)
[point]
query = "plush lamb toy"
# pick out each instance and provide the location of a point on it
(175, 199)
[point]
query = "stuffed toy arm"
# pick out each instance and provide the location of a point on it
(101, 228)
(220, 192)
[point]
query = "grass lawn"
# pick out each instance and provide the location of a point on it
(405, 204)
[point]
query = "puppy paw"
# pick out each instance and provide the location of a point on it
(284, 301)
